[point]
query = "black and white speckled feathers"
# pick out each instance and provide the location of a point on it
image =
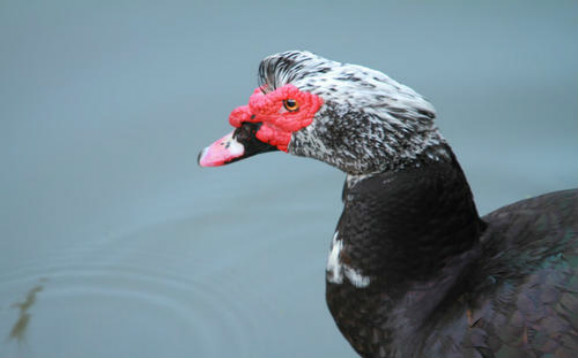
(368, 123)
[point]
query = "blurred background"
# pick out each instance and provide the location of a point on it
(114, 243)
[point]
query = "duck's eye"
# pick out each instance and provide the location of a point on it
(291, 105)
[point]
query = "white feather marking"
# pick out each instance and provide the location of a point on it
(353, 179)
(356, 278)
(336, 269)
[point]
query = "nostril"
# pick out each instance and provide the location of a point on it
(240, 134)
(246, 132)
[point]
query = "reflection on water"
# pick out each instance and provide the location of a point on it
(18, 331)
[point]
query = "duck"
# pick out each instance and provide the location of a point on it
(413, 270)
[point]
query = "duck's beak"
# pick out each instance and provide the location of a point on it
(221, 152)
(239, 144)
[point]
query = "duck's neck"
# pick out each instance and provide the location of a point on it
(407, 225)
(403, 248)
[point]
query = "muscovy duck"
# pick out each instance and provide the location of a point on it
(413, 271)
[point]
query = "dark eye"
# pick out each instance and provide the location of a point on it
(291, 105)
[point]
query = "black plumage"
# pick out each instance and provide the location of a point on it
(446, 283)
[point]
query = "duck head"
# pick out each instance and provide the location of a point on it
(351, 117)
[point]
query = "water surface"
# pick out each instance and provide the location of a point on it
(114, 243)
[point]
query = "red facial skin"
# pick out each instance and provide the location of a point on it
(278, 122)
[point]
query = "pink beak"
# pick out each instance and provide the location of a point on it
(221, 152)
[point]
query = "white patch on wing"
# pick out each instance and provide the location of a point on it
(336, 269)
(355, 277)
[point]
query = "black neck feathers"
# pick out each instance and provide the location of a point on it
(406, 225)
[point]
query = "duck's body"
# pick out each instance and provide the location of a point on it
(413, 271)
(420, 275)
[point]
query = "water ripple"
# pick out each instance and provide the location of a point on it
(136, 293)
